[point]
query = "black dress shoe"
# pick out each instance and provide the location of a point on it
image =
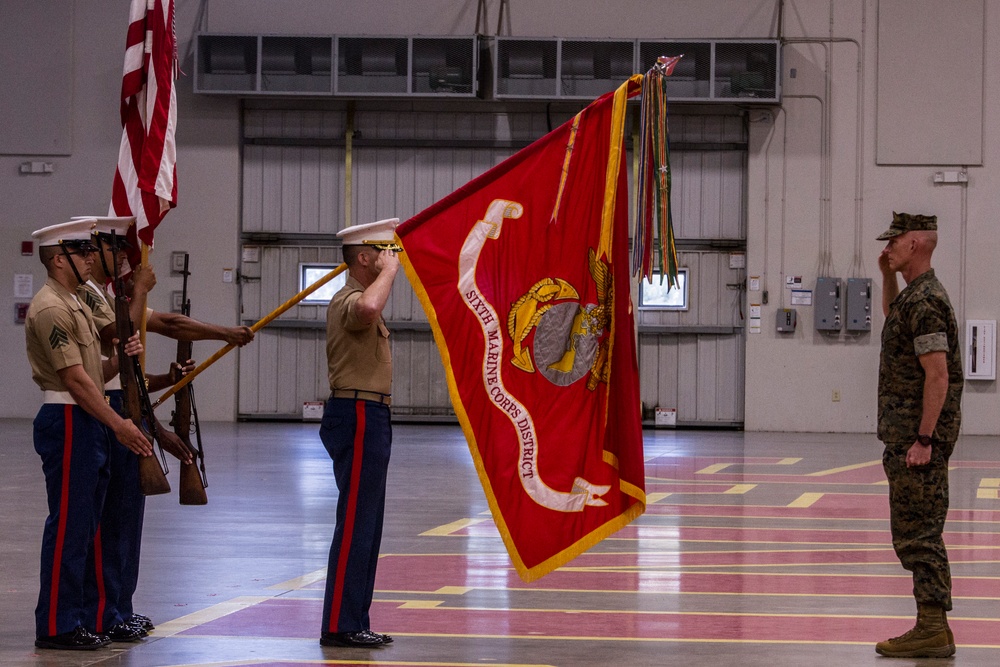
(76, 640)
(132, 623)
(125, 632)
(358, 639)
(386, 639)
(142, 621)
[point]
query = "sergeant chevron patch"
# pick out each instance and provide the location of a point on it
(58, 338)
(90, 298)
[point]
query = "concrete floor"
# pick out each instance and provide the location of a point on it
(755, 549)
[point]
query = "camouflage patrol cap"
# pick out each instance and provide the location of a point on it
(905, 222)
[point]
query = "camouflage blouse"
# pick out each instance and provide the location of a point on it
(920, 320)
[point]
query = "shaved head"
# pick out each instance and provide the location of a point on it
(352, 252)
(47, 252)
(926, 240)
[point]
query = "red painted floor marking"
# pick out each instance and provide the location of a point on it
(770, 538)
(282, 619)
(878, 509)
(631, 573)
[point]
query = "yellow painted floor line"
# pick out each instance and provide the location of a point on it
(655, 497)
(739, 489)
(677, 612)
(424, 604)
(834, 471)
(788, 462)
(449, 528)
(801, 478)
(385, 662)
(454, 590)
(712, 469)
(743, 568)
(811, 594)
(805, 500)
(212, 613)
(299, 582)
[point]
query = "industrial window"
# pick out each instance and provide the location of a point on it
(310, 273)
(657, 295)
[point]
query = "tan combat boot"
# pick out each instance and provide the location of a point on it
(930, 637)
(951, 636)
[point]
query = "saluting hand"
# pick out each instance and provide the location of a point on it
(387, 260)
(883, 263)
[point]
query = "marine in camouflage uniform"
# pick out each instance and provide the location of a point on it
(920, 358)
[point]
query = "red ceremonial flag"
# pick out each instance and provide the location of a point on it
(524, 275)
(145, 181)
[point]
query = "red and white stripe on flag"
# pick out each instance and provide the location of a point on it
(145, 182)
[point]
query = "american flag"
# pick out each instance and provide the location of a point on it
(146, 178)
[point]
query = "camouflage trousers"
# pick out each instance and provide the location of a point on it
(918, 506)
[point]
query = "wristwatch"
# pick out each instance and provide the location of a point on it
(924, 440)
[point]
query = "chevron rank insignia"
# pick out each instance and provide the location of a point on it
(90, 298)
(58, 338)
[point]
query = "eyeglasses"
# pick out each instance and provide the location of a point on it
(83, 252)
(115, 244)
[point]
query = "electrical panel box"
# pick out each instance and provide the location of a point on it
(827, 312)
(980, 349)
(785, 320)
(858, 304)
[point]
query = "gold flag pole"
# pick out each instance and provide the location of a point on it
(260, 324)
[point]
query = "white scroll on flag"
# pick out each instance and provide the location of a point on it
(145, 181)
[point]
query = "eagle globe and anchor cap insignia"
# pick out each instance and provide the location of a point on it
(569, 340)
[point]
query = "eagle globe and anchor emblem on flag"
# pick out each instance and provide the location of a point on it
(552, 309)
(567, 340)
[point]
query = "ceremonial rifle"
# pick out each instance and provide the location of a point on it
(193, 478)
(138, 408)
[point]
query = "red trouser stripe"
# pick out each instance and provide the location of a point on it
(102, 597)
(63, 512)
(352, 504)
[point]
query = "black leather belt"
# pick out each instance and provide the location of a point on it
(358, 394)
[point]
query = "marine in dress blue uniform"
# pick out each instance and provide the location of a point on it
(114, 572)
(70, 433)
(356, 430)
